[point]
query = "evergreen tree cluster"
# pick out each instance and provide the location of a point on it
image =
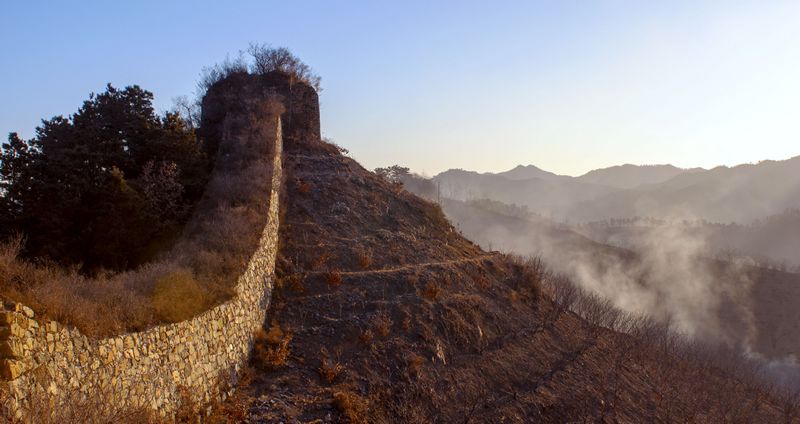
(106, 188)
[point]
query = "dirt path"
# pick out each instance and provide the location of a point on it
(410, 266)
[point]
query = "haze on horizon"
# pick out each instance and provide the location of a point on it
(566, 87)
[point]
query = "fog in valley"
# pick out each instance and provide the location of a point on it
(713, 253)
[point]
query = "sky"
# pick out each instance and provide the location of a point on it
(568, 86)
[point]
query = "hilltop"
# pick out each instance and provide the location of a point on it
(358, 301)
(384, 312)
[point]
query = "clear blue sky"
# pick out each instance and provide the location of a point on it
(568, 86)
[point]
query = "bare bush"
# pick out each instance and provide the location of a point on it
(329, 368)
(563, 292)
(259, 59)
(44, 406)
(267, 59)
(528, 275)
(211, 74)
(382, 323)
(351, 405)
(271, 350)
(597, 311)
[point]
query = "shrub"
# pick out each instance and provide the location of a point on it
(329, 369)
(43, 407)
(178, 296)
(333, 278)
(271, 353)
(366, 336)
(382, 323)
(268, 59)
(364, 259)
(303, 187)
(414, 363)
(262, 60)
(406, 323)
(528, 275)
(351, 405)
(296, 284)
(321, 260)
(431, 291)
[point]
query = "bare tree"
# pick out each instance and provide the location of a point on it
(268, 59)
(211, 74)
(187, 109)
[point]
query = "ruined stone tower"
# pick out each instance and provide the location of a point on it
(232, 94)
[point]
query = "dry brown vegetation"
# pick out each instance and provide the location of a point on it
(366, 336)
(303, 187)
(364, 259)
(466, 352)
(90, 411)
(47, 408)
(199, 271)
(351, 405)
(271, 349)
(329, 368)
(382, 323)
(431, 291)
(333, 278)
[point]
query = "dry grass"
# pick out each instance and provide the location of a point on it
(364, 259)
(303, 187)
(366, 336)
(333, 278)
(352, 406)
(296, 284)
(46, 408)
(321, 261)
(271, 349)
(406, 323)
(199, 271)
(431, 291)
(382, 323)
(414, 363)
(329, 369)
(178, 296)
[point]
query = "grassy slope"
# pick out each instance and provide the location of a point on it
(432, 329)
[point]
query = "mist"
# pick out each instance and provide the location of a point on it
(668, 270)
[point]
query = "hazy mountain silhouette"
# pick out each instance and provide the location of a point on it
(526, 172)
(737, 194)
(553, 196)
(630, 176)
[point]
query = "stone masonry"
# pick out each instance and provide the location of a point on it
(200, 357)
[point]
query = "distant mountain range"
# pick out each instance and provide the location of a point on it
(741, 193)
(630, 176)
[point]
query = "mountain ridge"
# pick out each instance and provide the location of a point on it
(740, 193)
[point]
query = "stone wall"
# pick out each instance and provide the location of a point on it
(45, 362)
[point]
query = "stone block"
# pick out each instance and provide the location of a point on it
(11, 349)
(28, 312)
(7, 318)
(10, 369)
